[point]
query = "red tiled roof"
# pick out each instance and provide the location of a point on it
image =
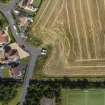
(3, 37)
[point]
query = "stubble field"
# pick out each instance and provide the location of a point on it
(76, 31)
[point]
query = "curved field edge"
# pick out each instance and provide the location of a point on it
(64, 26)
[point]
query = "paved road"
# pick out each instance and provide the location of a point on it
(34, 52)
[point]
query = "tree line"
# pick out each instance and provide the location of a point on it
(52, 88)
(8, 89)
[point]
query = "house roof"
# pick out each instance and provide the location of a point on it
(23, 21)
(7, 48)
(27, 2)
(15, 72)
(3, 37)
(22, 53)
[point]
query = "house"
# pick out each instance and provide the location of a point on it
(15, 72)
(13, 52)
(11, 55)
(23, 21)
(28, 5)
(22, 54)
(27, 2)
(3, 38)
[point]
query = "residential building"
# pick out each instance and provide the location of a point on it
(28, 5)
(23, 21)
(22, 54)
(3, 38)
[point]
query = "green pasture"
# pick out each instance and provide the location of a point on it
(83, 97)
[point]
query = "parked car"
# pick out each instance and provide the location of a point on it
(43, 51)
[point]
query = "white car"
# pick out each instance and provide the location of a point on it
(14, 27)
(16, 11)
(43, 51)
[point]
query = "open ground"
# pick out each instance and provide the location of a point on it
(83, 97)
(76, 31)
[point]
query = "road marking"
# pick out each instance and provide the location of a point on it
(77, 31)
(84, 28)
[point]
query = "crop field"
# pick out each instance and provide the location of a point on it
(83, 97)
(76, 30)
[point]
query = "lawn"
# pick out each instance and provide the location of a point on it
(24, 63)
(34, 41)
(3, 21)
(17, 98)
(6, 73)
(37, 2)
(4, 1)
(12, 39)
(25, 60)
(83, 97)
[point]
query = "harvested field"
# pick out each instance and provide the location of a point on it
(76, 30)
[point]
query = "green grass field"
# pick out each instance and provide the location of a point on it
(83, 97)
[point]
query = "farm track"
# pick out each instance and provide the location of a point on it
(76, 31)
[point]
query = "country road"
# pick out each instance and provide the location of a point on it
(34, 52)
